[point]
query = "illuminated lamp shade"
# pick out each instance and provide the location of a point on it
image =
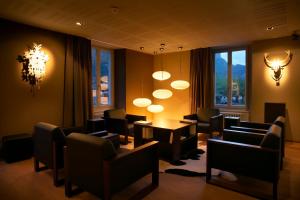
(180, 84)
(162, 94)
(141, 102)
(161, 75)
(155, 108)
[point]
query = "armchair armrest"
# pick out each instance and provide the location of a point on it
(132, 118)
(127, 167)
(246, 129)
(117, 125)
(99, 133)
(69, 130)
(191, 117)
(243, 159)
(242, 136)
(255, 125)
(217, 122)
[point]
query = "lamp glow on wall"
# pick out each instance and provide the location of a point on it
(155, 108)
(180, 84)
(142, 101)
(277, 64)
(161, 75)
(34, 65)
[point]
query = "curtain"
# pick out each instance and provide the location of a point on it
(201, 78)
(120, 78)
(77, 105)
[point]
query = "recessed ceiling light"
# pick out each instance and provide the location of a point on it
(270, 28)
(78, 24)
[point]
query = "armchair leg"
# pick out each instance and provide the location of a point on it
(68, 188)
(208, 174)
(36, 165)
(275, 190)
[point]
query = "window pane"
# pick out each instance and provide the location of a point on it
(105, 67)
(221, 77)
(238, 77)
(94, 76)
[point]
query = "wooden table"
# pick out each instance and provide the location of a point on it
(175, 138)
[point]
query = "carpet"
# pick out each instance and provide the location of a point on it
(194, 167)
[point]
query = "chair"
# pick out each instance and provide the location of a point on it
(249, 154)
(93, 165)
(117, 121)
(208, 120)
(48, 142)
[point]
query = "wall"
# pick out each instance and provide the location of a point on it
(19, 109)
(138, 70)
(264, 89)
(179, 104)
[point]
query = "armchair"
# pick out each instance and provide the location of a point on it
(48, 141)
(250, 154)
(117, 121)
(94, 165)
(263, 128)
(208, 120)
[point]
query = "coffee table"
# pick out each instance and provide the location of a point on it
(175, 138)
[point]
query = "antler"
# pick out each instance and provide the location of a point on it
(288, 59)
(266, 61)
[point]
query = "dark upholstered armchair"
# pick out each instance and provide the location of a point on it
(263, 128)
(117, 121)
(208, 120)
(49, 141)
(94, 165)
(250, 154)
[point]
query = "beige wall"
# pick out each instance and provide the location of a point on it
(19, 109)
(264, 89)
(138, 68)
(179, 104)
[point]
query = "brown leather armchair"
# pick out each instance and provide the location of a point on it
(94, 165)
(117, 121)
(249, 154)
(208, 120)
(48, 141)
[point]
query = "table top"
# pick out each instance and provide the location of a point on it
(165, 124)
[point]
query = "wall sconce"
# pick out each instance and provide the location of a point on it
(34, 63)
(277, 65)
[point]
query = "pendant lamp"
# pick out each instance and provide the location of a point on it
(161, 75)
(162, 94)
(155, 108)
(180, 84)
(142, 101)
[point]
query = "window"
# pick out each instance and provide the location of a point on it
(102, 77)
(230, 78)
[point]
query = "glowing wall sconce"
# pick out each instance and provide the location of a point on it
(34, 65)
(277, 65)
(162, 94)
(154, 108)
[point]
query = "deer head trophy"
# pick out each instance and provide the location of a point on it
(277, 65)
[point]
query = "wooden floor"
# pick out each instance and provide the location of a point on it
(18, 181)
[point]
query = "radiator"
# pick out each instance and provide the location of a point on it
(243, 115)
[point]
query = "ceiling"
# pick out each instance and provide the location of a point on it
(148, 23)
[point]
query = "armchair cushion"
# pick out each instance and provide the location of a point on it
(272, 138)
(115, 113)
(205, 114)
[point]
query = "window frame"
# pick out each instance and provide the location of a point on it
(101, 107)
(229, 105)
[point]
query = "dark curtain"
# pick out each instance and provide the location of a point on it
(120, 78)
(201, 78)
(77, 107)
